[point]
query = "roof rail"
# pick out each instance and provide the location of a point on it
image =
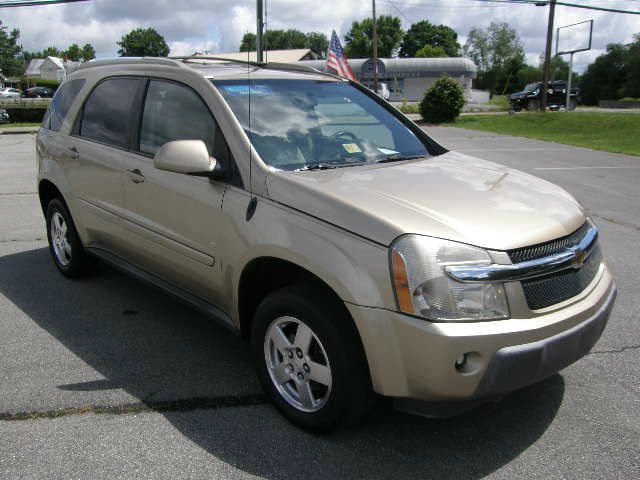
(130, 60)
(269, 65)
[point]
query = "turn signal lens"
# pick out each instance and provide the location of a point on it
(401, 282)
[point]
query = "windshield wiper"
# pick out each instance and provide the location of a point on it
(315, 166)
(399, 158)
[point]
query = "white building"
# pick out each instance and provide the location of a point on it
(50, 68)
(409, 78)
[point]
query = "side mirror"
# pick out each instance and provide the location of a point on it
(189, 157)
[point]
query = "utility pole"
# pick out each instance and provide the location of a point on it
(547, 55)
(260, 30)
(375, 49)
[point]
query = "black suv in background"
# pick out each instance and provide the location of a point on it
(529, 98)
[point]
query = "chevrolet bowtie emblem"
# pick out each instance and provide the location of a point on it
(579, 258)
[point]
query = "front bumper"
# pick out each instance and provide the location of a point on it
(416, 359)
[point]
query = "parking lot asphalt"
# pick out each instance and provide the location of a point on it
(105, 377)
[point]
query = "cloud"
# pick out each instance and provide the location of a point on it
(218, 25)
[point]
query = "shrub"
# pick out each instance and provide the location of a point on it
(443, 102)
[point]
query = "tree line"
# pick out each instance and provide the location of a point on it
(496, 50)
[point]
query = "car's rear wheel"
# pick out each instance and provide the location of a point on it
(64, 243)
(310, 359)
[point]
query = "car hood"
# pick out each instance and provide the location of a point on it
(452, 196)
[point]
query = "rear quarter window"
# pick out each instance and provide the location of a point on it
(61, 103)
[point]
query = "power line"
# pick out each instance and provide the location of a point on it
(565, 4)
(32, 3)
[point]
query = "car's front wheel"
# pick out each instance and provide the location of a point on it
(310, 359)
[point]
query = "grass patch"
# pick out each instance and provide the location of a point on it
(611, 132)
(500, 101)
(408, 108)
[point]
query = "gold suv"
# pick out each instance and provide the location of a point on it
(357, 255)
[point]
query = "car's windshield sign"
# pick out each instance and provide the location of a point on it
(299, 124)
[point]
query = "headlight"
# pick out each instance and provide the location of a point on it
(424, 289)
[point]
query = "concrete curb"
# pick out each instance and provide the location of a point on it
(18, 130)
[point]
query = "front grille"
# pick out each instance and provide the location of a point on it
(545, 291)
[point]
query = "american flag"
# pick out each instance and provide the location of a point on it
(337, 60)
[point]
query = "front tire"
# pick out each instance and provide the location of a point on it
(310, 360)
(533, 105)
(64, 243)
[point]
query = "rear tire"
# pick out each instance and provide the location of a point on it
(64, 243)
(309, 359)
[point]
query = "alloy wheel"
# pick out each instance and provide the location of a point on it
(298, 364)
(60, 239)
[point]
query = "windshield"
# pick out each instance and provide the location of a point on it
(531, 87)
(302, 124)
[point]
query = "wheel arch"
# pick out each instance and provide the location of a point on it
(266, 274)
(47, 191)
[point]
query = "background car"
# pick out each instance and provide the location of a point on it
(4, 116)
(529, 98)
(39, 92)
(9, 92)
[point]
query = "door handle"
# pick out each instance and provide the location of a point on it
(73, 153)
(135, 176)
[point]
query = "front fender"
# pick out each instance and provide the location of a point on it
(356, 269)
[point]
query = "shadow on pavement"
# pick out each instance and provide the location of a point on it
(144, 342)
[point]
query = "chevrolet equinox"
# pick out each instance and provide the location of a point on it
(358, 256)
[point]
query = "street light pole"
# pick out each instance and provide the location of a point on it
(547, 55)
(259, 31)
(375, 49)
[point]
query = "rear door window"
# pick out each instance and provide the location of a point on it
(108, 113)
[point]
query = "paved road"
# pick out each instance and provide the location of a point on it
(114, 379)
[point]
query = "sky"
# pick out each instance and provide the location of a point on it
(218, 25)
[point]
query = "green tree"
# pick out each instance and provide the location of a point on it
(248, 42)
(88, 52)
(10, 63)
(496, 51)
(604, 78)
(425, 33)
(143, 42)
(318, 43)
(443, 102)
(429, 51)
(359, 40)
(287, 39)
(51, 51)
(73, 53)
(631, 86)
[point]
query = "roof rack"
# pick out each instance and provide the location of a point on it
(182, 62)
(268, 65)
(130, 60)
